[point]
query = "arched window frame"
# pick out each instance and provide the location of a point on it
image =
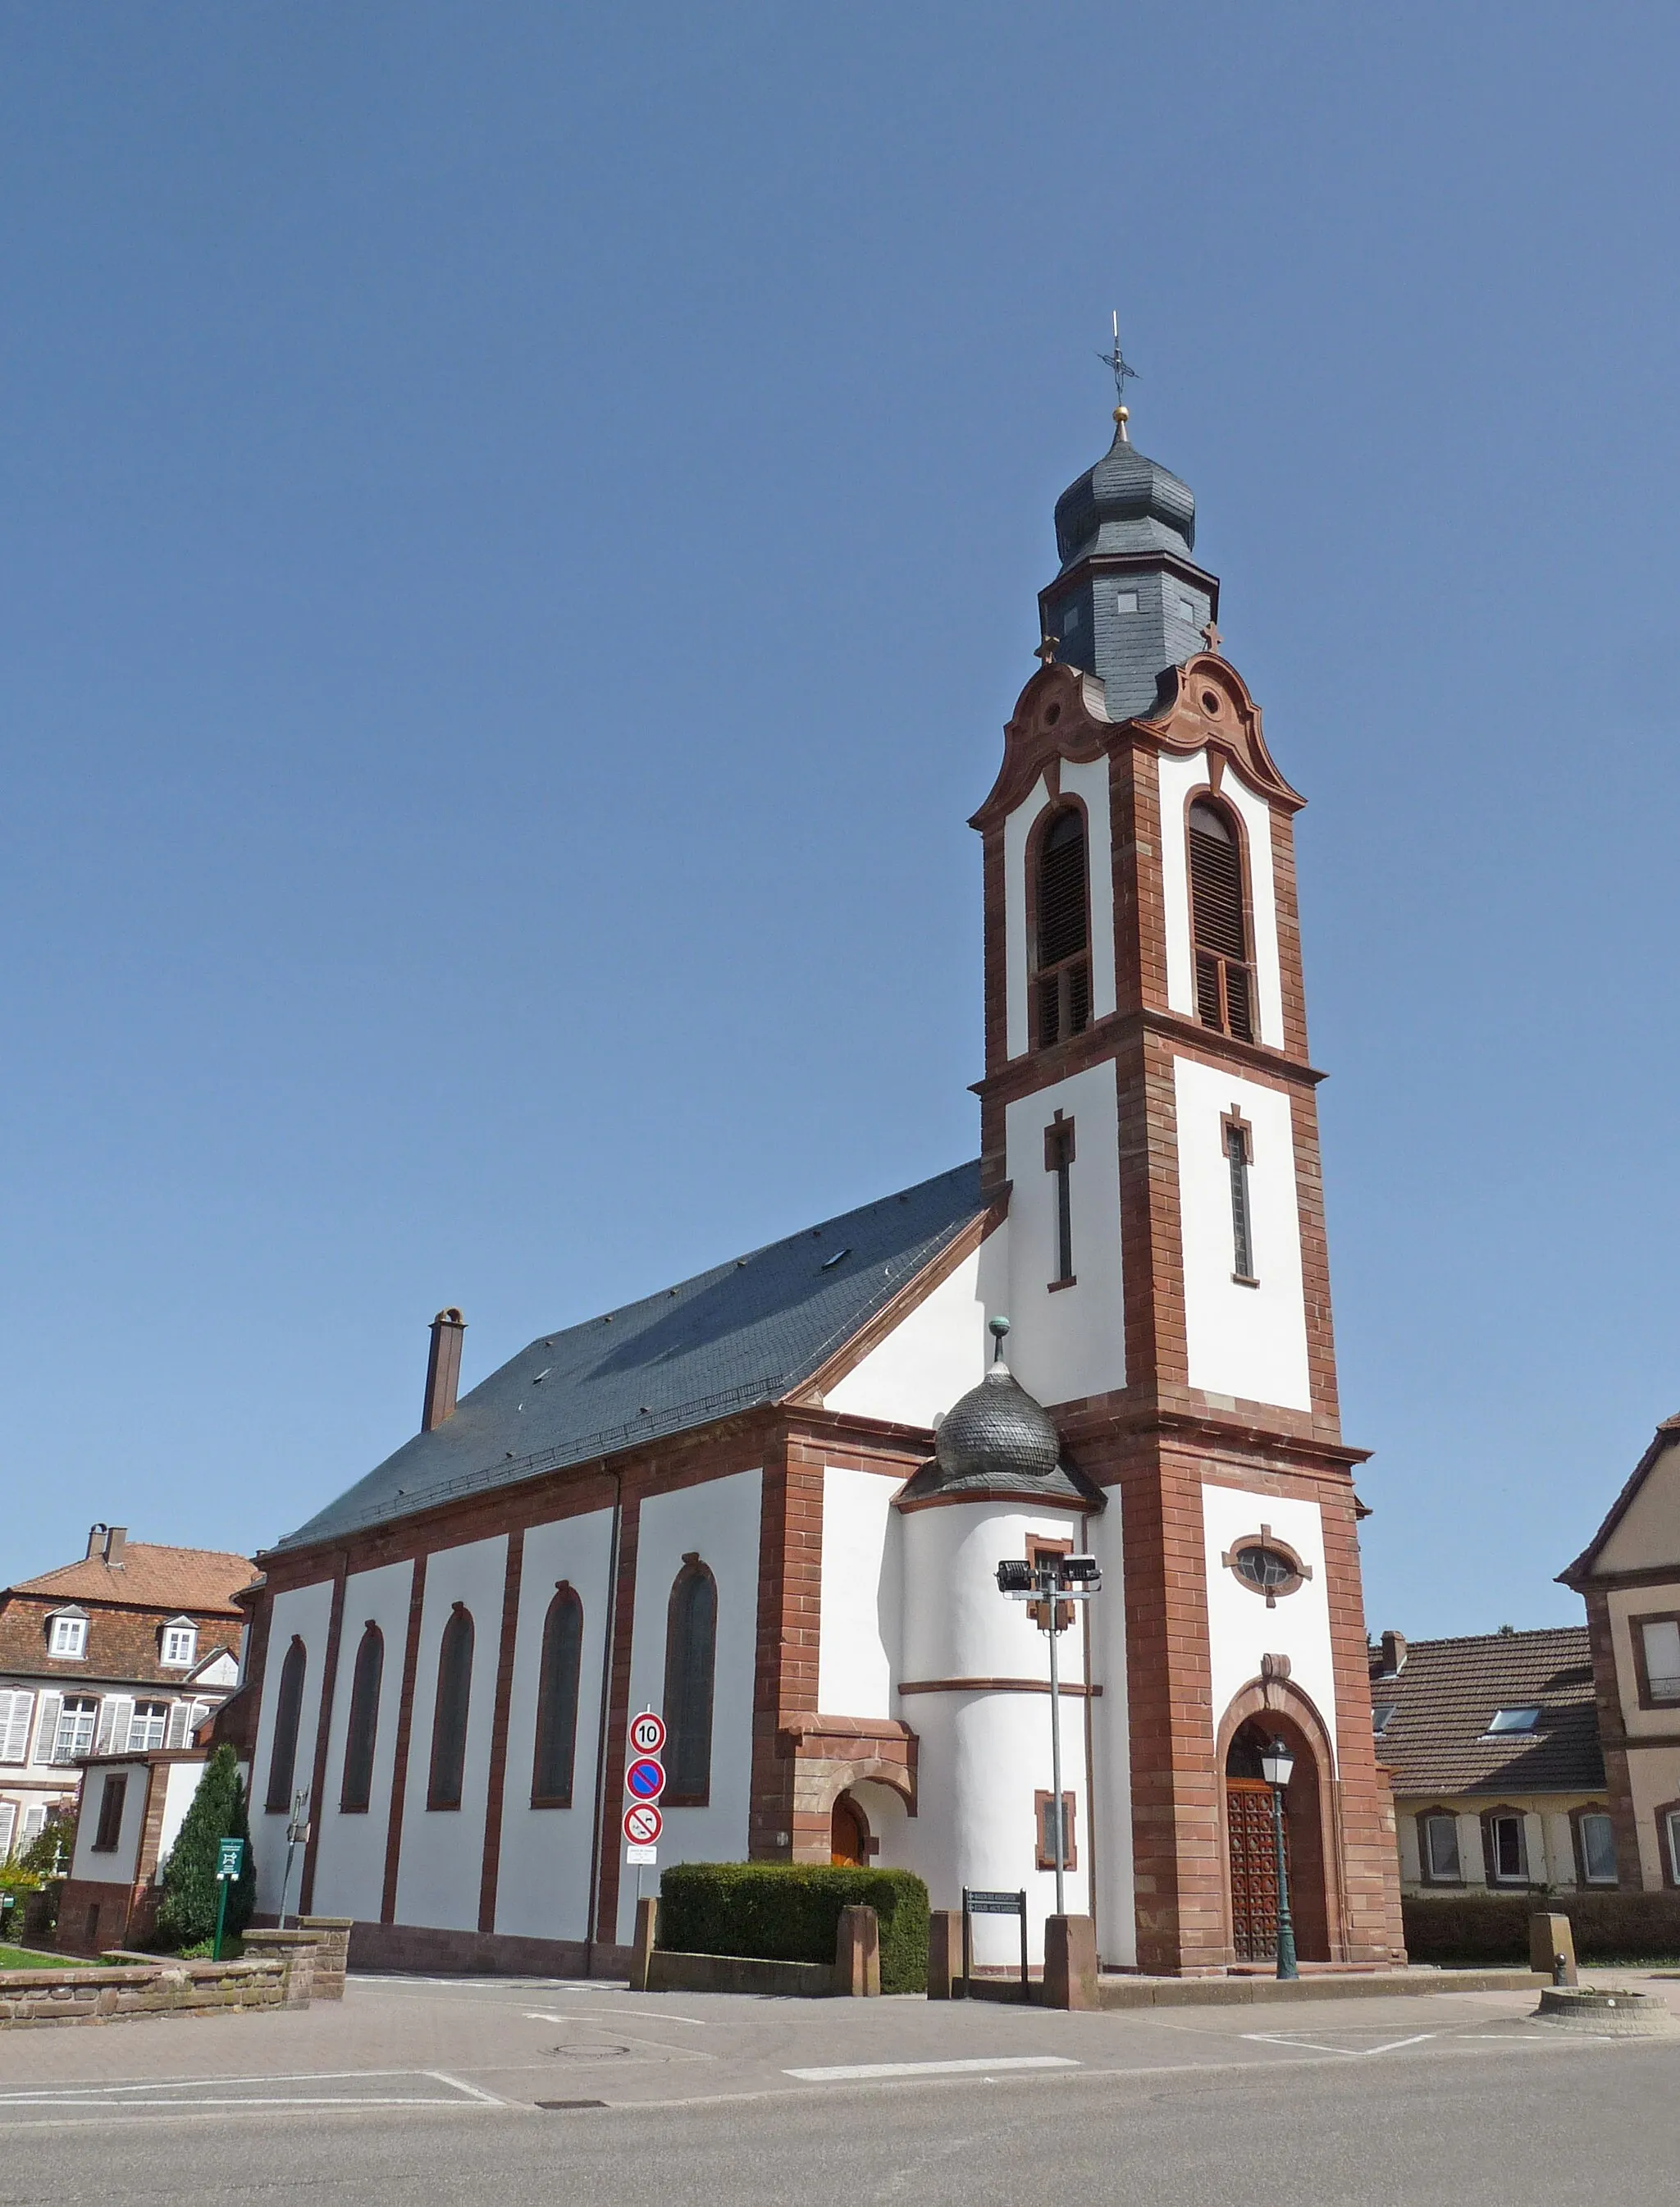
(559, 1675)
(1058, 991)
(362, 1728)
(288, 1722)
(452, 1711)
(1224, 986)
(689, 1698)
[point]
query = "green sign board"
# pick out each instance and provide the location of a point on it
(231, 1858)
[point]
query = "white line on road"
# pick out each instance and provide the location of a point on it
(1352, 2053)
(852, 2072)
(461, 2084)
(632, 2014)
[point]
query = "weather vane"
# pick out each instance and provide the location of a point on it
(1120, 367)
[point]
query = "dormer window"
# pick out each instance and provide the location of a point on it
(66, 1635)
(181, 1643)
(1061, 948)
(1225, 978)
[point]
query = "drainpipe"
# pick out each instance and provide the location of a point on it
(601, 1732)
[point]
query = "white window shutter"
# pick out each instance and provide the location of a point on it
(7, 1818)
(47, 1731)
(113, 1733)
(15, 1711)
(177, 1734)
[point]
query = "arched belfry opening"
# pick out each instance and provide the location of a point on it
(1219, 921)
(1061, 928)
(1250, 1844)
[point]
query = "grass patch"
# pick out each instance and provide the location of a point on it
(25, 1958)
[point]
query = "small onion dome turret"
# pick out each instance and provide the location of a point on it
(1125, 503)
(997, 1440)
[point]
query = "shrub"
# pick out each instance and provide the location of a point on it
(790, 1913)
(186, 1912)
(1492, 1929)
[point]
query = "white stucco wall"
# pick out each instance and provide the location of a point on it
(1016, 830)
(304, 1612)
(1241, 1627)
(442, 1860)
(116, 1867)
(1179, 779)
(863, 1572)
(1242, 1341)
(182, 1784)
(718, 1521)
(1088, 781)
(351, 1851)
(1647, 1535)
(542, 1888)
(1068, 1342)
(938, 1352)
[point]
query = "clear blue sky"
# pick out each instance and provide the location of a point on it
(520, 526)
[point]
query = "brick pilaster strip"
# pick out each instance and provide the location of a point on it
(329, 1681)
(493, 1806)
(399, 1774)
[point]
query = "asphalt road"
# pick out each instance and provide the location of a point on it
(1563, 2127)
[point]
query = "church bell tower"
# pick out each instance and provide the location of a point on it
(1150, 1140)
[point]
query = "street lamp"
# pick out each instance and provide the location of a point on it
(1050, 1581)
(1278, 1768)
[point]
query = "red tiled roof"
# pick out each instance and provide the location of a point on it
(198, 1580)
(1444, 1698)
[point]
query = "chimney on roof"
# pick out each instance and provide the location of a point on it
(443, 1369)
(96, 1541)
(1394, 1654)
(116, 1540)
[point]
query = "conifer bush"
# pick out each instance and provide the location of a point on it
(186, 1912)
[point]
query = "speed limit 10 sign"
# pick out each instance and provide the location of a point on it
(647, 1733)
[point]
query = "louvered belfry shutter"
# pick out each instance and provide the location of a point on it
(1222, 943)
(1061, 899)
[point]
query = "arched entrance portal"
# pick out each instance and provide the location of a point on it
(1250, 1858)
(849, 1834)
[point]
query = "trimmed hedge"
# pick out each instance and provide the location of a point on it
(790, 1913)
(1494, 1929)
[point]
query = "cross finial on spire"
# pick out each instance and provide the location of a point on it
(1212, 637)
(1120, 367)
(1045, 648)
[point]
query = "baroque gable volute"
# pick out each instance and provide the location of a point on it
(1205, 704)
(1060, 715)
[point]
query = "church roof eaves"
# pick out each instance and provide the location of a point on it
(745, 1334)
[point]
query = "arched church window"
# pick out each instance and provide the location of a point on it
(449, 1715)
(1225, 978)
(1061, 938)
(557, 1701)
(691, 1665)
(288, 1714)
(362, 1729)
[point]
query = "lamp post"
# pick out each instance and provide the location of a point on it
(1051, 1581)
(1277, 1767)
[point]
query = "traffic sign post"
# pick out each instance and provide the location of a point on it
(644, 1781)
(229, 1861)
(647, 1733)
(643, 1824)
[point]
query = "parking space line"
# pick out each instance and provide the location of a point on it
(856, 2071)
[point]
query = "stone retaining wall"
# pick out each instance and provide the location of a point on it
(33, 1998)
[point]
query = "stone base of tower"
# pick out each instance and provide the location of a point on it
(1212, 1668)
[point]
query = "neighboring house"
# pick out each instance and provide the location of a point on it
(1491, 1747)
(133, 1805)
(726, 1500)
(1629, 1577)
(129, 1650)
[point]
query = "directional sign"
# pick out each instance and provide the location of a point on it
(647, 1733)
(229, 1857)
(645, 1779)
(643, 1823)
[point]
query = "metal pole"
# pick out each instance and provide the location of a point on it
(1286, 1929)
(1055, 1753)
(222, 1884)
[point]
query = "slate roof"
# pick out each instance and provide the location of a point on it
(197, 1580)
(749, 1332)
(1444, 1698)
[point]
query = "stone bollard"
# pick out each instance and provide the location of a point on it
(332, 1953)
(857, 1953)
(297, 1950)
(1070, 1962)
(1551, 1949)
(945, 1953)
(646, 1939)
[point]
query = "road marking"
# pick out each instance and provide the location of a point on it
(629, 2014)
(461, 2084)
(247, 2092)
(853, 2072)
(1352, 2053)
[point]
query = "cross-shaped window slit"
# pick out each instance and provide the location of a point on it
(1058, 1159)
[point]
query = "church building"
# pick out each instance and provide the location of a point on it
(769, 1502)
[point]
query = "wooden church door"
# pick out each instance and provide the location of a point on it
(1253, 1868)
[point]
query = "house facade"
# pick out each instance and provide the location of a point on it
(769, 1502)
(1491, 1743)
(128, 1649)
(1629, 1576)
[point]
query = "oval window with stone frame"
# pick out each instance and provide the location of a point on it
(1266, 1565)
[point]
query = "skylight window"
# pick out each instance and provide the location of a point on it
(1380, 1713)
(1512, 1721)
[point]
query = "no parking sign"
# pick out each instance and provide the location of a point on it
(644, 1781)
